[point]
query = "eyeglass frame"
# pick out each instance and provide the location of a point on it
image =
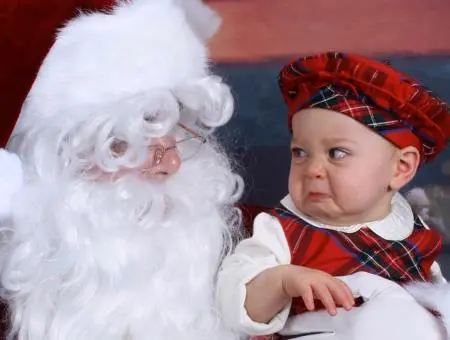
(160, 150)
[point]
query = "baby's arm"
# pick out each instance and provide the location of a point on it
(263, 301)
(265, 296)
(256, 264)
(256, 284)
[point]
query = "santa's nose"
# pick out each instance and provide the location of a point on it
(163, 159)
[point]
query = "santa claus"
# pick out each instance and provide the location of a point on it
(126, 206)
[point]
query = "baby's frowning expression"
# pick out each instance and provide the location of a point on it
(341, 171)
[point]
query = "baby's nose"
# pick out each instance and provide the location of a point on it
(315, 168)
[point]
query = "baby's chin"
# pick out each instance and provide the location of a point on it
(326, 212)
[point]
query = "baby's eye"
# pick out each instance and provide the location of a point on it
(337, 153)
(298, 153)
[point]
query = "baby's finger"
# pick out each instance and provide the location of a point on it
(322, 293)
(348, 293)
(308, 298)
(340, 294)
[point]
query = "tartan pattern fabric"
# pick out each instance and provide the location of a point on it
(340, 254)
(426, 115)
(361, 108)
(357, 107)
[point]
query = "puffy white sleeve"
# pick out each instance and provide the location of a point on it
(11, 180)
(267, 248)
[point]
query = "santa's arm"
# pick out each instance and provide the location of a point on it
(11, 180)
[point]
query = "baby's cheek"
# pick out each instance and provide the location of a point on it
(349, 192)
(295, 191)
(294, 184)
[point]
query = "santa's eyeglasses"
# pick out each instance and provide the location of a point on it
(187, 142)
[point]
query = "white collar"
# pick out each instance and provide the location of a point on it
(396, 226)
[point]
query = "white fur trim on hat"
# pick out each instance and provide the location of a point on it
(142, 46)
(11, 180)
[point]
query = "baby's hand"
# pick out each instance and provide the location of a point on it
(310, 284)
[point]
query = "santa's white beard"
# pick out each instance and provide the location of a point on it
(125, 260)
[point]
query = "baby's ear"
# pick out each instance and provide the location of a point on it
(406, 165)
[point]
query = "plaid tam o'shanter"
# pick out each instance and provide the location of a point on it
(363, 110)
(339, 254)
(374, 93)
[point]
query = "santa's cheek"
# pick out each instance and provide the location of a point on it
(99, 174)
(151, 176)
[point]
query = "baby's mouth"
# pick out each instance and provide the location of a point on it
(317, 196)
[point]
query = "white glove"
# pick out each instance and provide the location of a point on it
(434, 297)
(389, 313)
(11, 180)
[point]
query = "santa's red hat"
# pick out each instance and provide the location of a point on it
(28, 29)
(63, 58)
(58, 54)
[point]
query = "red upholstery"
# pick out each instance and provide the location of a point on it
(4, 320)
(249, 212)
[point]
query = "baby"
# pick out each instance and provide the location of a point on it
(360, 130)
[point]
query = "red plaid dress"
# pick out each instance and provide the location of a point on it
(340, 254)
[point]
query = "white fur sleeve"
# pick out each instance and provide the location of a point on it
(267, 248)
(11, 179)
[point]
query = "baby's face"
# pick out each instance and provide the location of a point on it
(340, 170)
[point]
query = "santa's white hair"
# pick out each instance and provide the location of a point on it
(86, 257)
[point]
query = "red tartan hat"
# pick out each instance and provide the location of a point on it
(28, 29)
(395, 96)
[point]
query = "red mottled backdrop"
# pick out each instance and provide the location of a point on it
(265, 29)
